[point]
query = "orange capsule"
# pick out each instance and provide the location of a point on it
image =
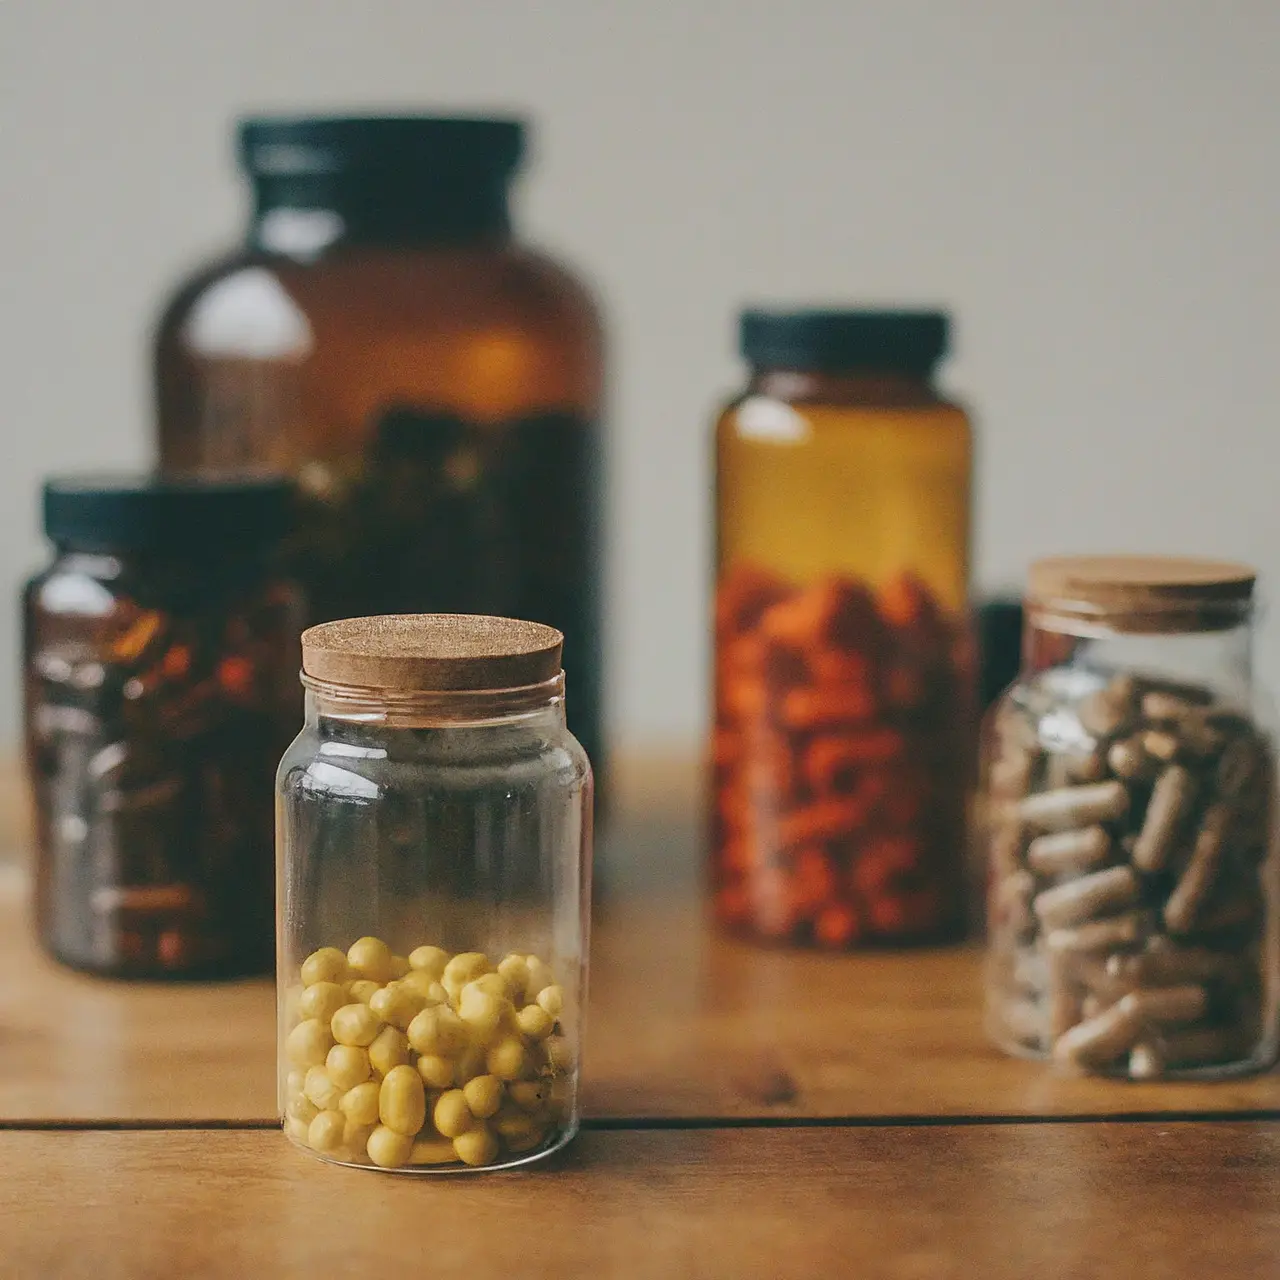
(743, 593)
(836, 925)
(820, 822)
(822, 708)
(840, 759)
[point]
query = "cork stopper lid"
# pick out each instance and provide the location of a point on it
(1142, 593)
(432, 652)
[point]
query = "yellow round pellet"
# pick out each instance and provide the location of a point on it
(494, 983)
(387, 1148)
(426, 987)
(302, 1109)
(389, 1049)
(321, 1090)
(402, 1104)
(535, 1022)
(432, 1151)
(347, 1066)
(436, 1072)
(521, 1132)
(363, 990)
(515, 969)
(326, 965)
(540, 977)
(397, 1004)
(370, 958)
(437, 1030)
(452, 1116)
(295, 1082)
(552, 1000)
(462, 969)
(399, 967)
(297, 1129)
(355, 1024)
(481, 1010)
(307, 1044)
(355, 1139)
(507, 1058)
(428, 960)
(483, 1095)
(360, 1105)
(477, 1146)
(470, 1063)
(529, 1095)
(325, 1131)
(322, 1000)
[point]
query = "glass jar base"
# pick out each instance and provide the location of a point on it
(514, 1160)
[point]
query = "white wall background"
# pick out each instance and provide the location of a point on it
(1094, 187)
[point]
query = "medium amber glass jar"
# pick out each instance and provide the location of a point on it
(161, 659)
(842, 743)
(434, 385)
(434, 893)
(1129, 802)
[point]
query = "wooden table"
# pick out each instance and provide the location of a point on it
(749, 1113)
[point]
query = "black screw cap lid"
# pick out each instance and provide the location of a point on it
(176, 516)
(316, 146)
(844, 341)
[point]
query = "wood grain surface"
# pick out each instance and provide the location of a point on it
(1146, 1201)
(683, 1022)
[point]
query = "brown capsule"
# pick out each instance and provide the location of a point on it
(1068, 851)
(1100, 894)
(1196, 695)
(1170, 1006)
(1164, 963)
(1075, 806)
(1129, 759)
(1114, 933)
(1109, 710)
(1161, 744)
(1161, 707)
(1201, 871)
(1099, 1041)
(1171, 799)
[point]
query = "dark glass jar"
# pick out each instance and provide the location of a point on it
(434, 385)
(161, 657)
(843, 739)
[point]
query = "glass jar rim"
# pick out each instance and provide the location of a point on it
(424, 707)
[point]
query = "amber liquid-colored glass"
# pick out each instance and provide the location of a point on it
(439, 404)
(843, 730)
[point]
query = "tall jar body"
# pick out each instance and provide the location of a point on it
(1129, 802)
(842, 741)
(159, 692)
(436, 388)
(433, 891)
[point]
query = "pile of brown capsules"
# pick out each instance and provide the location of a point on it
(1130, 829)
(425, 1059)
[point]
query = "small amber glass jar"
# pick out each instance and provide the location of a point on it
(433, 383)
(1129, 802)
(843, 726)
(161, 652)
(434, 895)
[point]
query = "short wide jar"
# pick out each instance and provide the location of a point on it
(1130, 798)
(434, 887)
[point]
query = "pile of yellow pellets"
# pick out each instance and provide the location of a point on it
(425, 1059)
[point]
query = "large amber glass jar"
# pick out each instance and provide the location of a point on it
(842, 742)
(434, 385)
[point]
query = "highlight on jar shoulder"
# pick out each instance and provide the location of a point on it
(1129, 780)
(843, 748)
(435, 846)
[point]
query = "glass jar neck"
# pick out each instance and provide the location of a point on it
(1220, 659)
(304, 216)
(850, 386)
(533, 705)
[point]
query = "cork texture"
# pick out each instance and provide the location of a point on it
(1143, 592)
(428, 652)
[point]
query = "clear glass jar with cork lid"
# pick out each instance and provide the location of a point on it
(1129, 780)
(434, 888)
